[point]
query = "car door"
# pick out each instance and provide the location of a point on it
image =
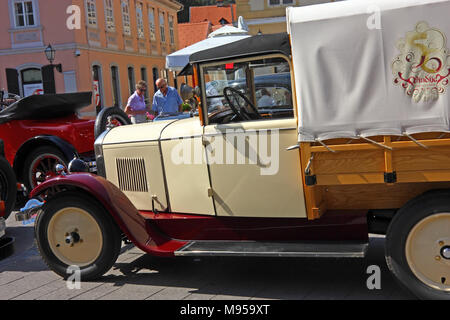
(252, 174)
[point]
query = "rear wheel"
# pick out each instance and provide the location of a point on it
(40, 165)
(8, 187)
(74, 230)
(418, 245)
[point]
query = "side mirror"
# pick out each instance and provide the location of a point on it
(197, 91)
(186, 92)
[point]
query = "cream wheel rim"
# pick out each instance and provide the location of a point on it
(427, 248)
(75, 237)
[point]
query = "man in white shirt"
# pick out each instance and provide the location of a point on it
(266, 99)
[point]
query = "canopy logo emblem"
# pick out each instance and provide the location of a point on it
(422, 68)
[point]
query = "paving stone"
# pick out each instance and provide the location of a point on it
(64, 293)
(26, 284)
(41, 291)
(132, 292)
(172, 293)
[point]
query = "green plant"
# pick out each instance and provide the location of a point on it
(186, 107)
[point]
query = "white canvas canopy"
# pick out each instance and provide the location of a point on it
(371, 67)
(179, 59)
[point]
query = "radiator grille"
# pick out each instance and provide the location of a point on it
(131, 174)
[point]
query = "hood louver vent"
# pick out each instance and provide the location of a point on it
(131, 174)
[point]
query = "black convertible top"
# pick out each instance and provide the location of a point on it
(256, 45)
(47, 106)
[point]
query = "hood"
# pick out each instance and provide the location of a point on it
(153, 131)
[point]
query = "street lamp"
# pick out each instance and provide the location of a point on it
(50, 54)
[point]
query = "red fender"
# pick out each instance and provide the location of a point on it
(138, 230)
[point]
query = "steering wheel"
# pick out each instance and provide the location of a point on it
(240, 111)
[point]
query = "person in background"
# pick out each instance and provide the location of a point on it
(166, 99)
(136, 106)
(266, 99)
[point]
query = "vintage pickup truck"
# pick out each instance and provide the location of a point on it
(360, 145)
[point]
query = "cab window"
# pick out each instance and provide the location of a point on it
(248, 90)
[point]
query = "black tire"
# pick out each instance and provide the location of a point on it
(431, 205)
(52, 156)
(110, 235)
(103, 120)
(8, 186)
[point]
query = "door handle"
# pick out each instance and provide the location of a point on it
(297, 146)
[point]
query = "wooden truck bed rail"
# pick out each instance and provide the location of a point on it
(382, 174)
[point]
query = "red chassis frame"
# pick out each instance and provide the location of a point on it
(161, 234)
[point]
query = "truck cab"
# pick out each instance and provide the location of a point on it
(292, 154)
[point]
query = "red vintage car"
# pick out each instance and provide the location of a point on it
(41, 131)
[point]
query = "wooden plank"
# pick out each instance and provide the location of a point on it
(388, 165)
(350, 178)
(422, 160)
(376, 196)
(350, 154)
(424, 176)
(320, 209)
(395, 145)
(310, 192)
(347, 165)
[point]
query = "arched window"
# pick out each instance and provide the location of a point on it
(155, 77)
(144, 77)
(126, 17)
(140, 20)
(115, 85)
(31, 81)
(131, 80)
(162, 29)
(91, 13)
(98, 89)
(109, 16)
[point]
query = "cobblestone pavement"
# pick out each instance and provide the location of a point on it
(139, 276)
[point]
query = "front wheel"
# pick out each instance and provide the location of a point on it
(418, 245)
(74, 231)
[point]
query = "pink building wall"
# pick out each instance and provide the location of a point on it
(78, 50)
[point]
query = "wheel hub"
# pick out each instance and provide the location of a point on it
(74, 236)
(428, 253)
(445, 252)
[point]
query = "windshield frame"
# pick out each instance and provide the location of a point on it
(250, 79)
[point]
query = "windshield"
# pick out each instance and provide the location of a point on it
(266, 83)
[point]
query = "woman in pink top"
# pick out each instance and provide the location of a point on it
(136, 107)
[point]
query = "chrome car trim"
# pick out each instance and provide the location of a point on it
(2, 227)
(273, 249)
(99, 159)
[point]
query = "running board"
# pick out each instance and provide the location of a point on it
(273, 249)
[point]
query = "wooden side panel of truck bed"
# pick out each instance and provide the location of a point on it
(351, 174)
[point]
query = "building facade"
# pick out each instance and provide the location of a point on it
(268, 16)
(104, 46)
(203, 20)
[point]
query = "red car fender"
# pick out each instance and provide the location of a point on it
(130, 221)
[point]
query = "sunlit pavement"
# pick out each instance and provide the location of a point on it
(136, 275)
